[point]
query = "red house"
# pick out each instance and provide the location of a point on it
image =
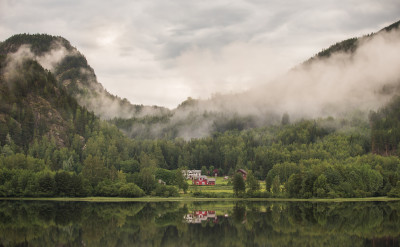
(204, 180)
(201, 216)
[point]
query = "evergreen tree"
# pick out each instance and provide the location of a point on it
(239, 185)
(252, 183)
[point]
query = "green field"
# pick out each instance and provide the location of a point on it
(221, 185)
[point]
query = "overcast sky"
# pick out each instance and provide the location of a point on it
(159, 52)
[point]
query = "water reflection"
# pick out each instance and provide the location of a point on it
(199, 216)
(199, 224)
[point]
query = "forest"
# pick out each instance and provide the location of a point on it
(52, 146)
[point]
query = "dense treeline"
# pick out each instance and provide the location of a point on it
(385, 125)
(299, 160)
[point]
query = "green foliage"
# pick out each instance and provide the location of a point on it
(180, 180)
(130, 190)
(395, 191)
(349, 45)
(166, 176)
(94, 170)
(385, 128)
(46, 184)
(145, 179)
(283, 171)
(252, 183)
(276, 185)
(294, 185)
(320, 186)
(239, 186)
(165, 191)
(107, 188)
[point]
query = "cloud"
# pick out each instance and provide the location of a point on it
(47, 60)
(337, 86)
(207, 72)
(342, 83)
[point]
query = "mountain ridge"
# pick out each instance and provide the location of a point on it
(74, 73)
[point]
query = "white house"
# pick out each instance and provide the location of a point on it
(191, 174)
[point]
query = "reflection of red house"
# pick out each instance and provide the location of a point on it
(243, 172)
(203, 180)
(201, 216)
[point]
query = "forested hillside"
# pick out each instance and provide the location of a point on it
(51, 145)
(72, 71)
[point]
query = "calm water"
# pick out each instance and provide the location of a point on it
(199, 224)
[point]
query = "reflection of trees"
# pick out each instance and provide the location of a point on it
(239, 213)
(162, 224)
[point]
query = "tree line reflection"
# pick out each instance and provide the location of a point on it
(40, 223)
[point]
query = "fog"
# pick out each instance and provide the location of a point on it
(336, 86)
(363, 80)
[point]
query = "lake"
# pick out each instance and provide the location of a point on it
(48, 223)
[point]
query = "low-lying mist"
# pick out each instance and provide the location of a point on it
(335, 85)
(328, 86)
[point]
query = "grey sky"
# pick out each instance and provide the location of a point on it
(160, 52)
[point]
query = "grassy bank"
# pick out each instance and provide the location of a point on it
(223, 189)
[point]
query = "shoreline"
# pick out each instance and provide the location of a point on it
(189, 199)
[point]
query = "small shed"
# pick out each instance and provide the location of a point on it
(211, 181)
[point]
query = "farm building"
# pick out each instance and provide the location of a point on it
(191, 174)
(204, 180)
(243, 172)
(200, 216)
(211, 181)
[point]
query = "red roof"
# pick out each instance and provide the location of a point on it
(242, 171)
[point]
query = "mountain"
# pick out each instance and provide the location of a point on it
(33, 105)
(73, 72)
(351, 45)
